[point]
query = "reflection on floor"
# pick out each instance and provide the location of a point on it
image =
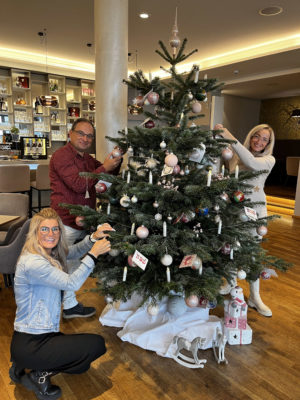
(281, 199)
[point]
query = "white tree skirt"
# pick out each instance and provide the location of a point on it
(156, 333)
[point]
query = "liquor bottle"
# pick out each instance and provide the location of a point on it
(38, 106)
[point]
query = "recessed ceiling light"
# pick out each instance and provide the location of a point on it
(270, 11)
(144, 15)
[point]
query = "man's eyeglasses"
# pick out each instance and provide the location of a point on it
(45, 230)
(81, 134)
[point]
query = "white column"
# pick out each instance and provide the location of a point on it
(111, 57)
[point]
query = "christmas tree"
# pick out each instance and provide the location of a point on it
(182, 222)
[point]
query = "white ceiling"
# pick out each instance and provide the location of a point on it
(214, 27)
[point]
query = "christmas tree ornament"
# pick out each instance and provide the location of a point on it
(100, 187)
(181, 172)
(163, 145)
(108, 299)
(196, 76)
(155, 204)
(192, 301)
(243, 217)
(116, 152)
(267, 273)
(186, 170)
(130, 262)
(217, 207)
(197, 264)
(176, 169)
(227, 154)
(196, 107)
(171, 160)
(153, 98)
(125, 200)
(224, 196)
(146, 102)
(158, 217)
(201, 95)
(262, 230)
(153, 310)
(142, 232)
(141, 172)
(176, 306)
(130, 151)
(202, 211)
(190, 95)
(198, 153)
(134, 199)
(241, 274)
(151, 163)
(185, 218)
(226, 248)
(114, 252)
(150, 124)
(236, 245)
(174, 40)
(238, 196)
(135, 109)
(166, 260)
(79, 221)
(169, 218)
(138, 100)
(203, 302)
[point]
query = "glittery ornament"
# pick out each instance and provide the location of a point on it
(100, 187)
(150, 124)
(135, 109)
(238, 196)
(201, 95)
(171, 160)
(124, 201)
(142, 232)
(158, 217)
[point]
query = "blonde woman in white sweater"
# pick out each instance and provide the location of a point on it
(254, 155)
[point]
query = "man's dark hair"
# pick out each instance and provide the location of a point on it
(77, 121)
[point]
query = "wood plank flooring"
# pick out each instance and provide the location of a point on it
(267, 369)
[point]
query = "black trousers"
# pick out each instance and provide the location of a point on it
(56, 351)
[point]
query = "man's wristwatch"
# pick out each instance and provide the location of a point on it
(92, 239)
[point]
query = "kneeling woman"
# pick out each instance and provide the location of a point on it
(37, 344)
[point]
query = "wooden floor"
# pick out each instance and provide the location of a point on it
(266, 369)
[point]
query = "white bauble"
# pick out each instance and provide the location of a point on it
(124, 201)
(243, 217)
(116, 152)
(134, 199)
(262, 230)
(197, 263)
(196, 107)
(142, 232)
(171, 160)
(114, 252)
(130, 151)
(241, 274)
(163, 145)
(158, 217)
(108, 299)
(155, 204)
(166, 260)
(176, 306)
(153, 310)
(192, 301)
(227, 154)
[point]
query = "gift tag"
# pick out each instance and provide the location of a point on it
(188, 261)
(140, 260)
(251, 213)
(198, 153)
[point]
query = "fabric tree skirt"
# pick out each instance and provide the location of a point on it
(156, 333)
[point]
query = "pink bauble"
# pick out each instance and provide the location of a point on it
(265, 275)
(262, 230)
(101, 187)
(139, 100)
(238, 196)
(192, 301)
(130, 262)
(142, 232)
(116, 153)
(153, 98)
(184, 218)
(196, 107)
(227, 154)
(226, 249)
(150, 124)
(176, 169)
(171, 160)
(79, 221)
(203, 302)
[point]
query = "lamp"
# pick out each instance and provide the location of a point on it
(296, 113)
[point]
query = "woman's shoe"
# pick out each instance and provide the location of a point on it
(256, 302)
(15, 373)
(39, 382)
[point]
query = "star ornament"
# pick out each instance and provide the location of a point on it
(256, 189)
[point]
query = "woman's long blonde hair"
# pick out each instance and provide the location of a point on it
(268, 150)
(32, 245)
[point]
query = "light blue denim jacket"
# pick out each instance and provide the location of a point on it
(38, 286)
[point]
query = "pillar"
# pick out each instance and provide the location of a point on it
(111, 57)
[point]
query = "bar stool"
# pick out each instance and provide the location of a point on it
(15, 179)
(42, 183)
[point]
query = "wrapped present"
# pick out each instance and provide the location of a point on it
(238, 336)
(232, 322)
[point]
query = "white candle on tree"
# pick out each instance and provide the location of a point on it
(150, 178)
(108, 209)
(132, 229)
(124, 274)
(236, 175)
(208, 178)
(128, 177)
(168, 275)
(164, 229)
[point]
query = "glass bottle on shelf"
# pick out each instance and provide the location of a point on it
(38, 106)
